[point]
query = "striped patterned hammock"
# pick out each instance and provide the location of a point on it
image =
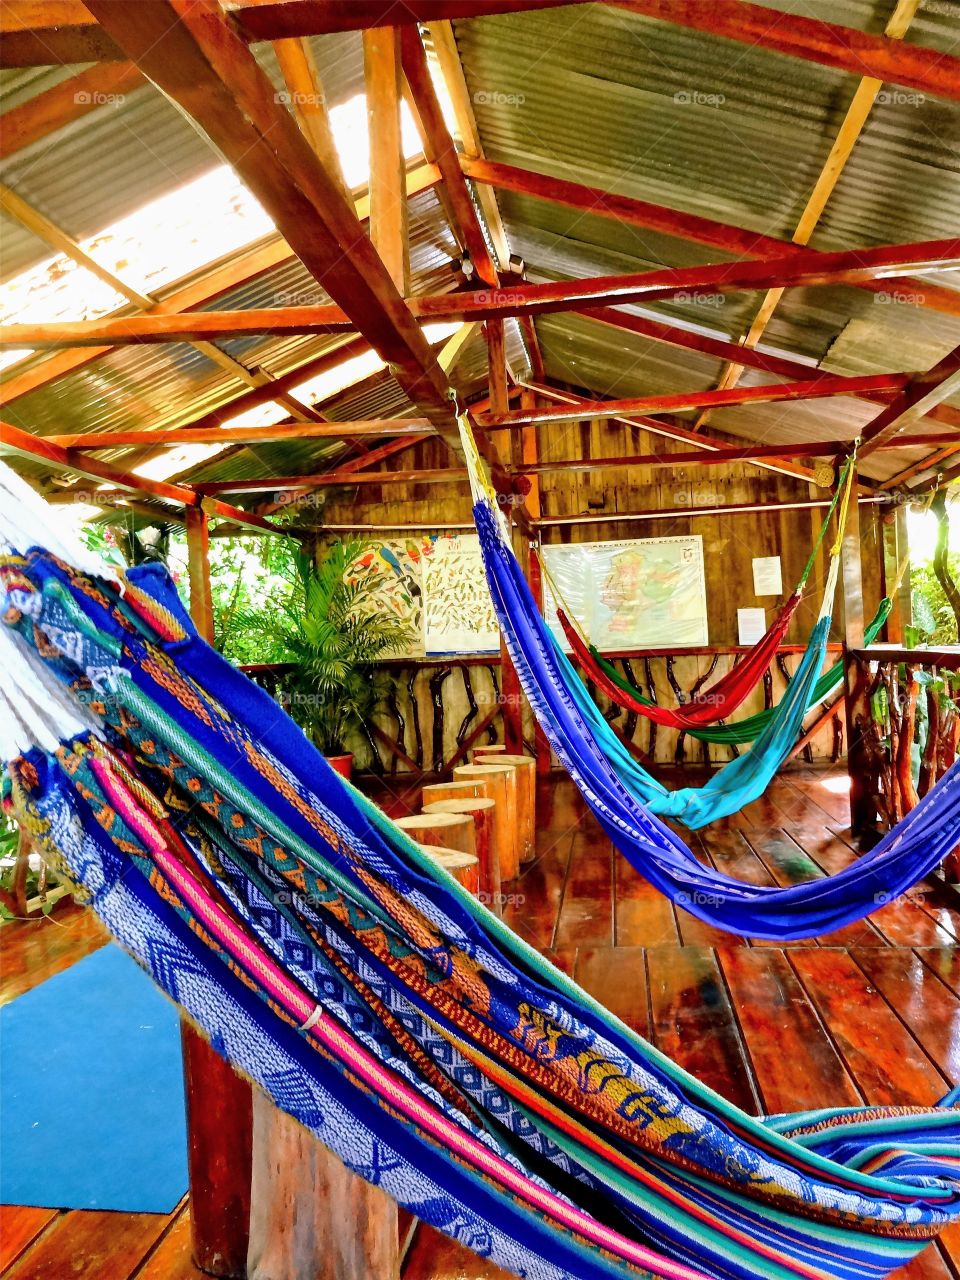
(725, 695)
(326, 956)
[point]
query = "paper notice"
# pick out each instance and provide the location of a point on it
(751, 624)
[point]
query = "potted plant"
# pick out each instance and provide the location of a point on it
(332, 632)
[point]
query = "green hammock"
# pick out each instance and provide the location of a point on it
(750, 728)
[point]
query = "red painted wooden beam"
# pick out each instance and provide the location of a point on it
(857, 52)
(279, 19)
(468, 229)
(21, 443)
(923, 392)
(738, 241)
(808, 267)
(814, 388)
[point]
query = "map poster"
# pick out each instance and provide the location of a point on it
(641, 593)
(457, 609)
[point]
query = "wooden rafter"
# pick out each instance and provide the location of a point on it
(308, 103)
(467, 228)
(16, 207)
(37, 449)
(850, 130)
(66, 31)
(673, 222)
(70, 100)
(814, 388)
(388, 197)
(807, 267)
(247, 265)
(856, 52)
(923, 392)
(930, 463)
(192, 52)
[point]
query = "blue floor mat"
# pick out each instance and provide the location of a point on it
(91, 1091)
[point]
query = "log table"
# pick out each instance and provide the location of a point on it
(502, 781)
(526, 794)
(482, 811)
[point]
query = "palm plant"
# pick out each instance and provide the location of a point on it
(330, 630)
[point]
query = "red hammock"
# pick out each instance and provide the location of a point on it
(715, 703)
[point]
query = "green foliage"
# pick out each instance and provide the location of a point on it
(933, 618)
(329, 627)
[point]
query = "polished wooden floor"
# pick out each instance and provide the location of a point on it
(870, 1013)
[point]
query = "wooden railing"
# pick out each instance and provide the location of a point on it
(903, 705)
(441, 707)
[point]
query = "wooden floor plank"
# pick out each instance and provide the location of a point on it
(881, 1054)
(693, 1021)
(91, 1245)
(586, 910)
(20, 1225)
(929, 1009)
(171, 1259)
(616, 976)
(643, 916)
(794, 1060)
(945, 963)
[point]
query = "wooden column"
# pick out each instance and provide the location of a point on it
(862, 810)
(510, 695)
(388, 183)
(312, 1218)
(219, 1107)
(895, 550)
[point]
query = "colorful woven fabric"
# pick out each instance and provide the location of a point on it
(747, 730)
(336, 964)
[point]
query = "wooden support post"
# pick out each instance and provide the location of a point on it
(219, 1106)
(388, 194)
(862, 811)
(311, 1216)
(894, 551)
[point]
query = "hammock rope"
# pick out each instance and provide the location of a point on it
(442, 1058)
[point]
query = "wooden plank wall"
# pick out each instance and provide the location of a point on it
(730, 542)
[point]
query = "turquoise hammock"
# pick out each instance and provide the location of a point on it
(735, 784)
(332, 961)
(726, 694)
(604, 774)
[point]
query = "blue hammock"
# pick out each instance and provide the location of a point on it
(678, 1184)
(580, 737)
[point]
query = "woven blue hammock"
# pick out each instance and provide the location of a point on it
(619, 791)
(223, 853)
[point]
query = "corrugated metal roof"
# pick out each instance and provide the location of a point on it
(597, 95)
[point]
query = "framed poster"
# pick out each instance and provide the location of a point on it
(458, 614)
(640, 593)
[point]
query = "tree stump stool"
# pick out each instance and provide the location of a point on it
(311, 1216)
(526, 796)
(503, 782)
(491, 749)
(462, 866)
(449, 830)
(483, 812)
